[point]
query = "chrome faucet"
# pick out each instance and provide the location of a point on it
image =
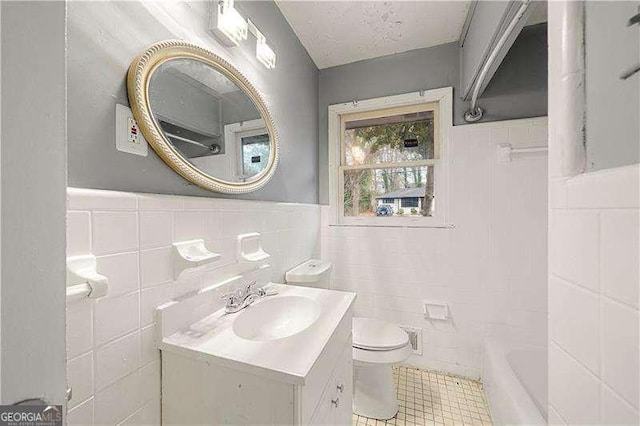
(242, 298)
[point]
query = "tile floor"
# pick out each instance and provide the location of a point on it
(429, 398)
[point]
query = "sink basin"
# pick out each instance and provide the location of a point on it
(277, 318)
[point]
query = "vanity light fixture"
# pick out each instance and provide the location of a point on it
(264, 52)
(227, 24)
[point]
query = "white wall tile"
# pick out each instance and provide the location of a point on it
(614, 188)
(593, 243)
(116, 360)
(156, 266)
(573, 391)
(156, 229)
(616, 411)
(115, 316)
(149, 347)
(153, 297)
(620, 350)
(498, 246)
(80, 378)
(150, 382)
(575, 247)
(160, 202)
(89, 199)
(114, 232)
(620, 254)
(188, 226)
(79, 328)
(113, 337)
(212, 225)
(553, 418)
(82, 415)
(122, 272)
(118, 401)
(575, 321)
(149, 414)
(78, 233)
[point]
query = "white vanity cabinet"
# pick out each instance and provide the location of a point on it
(201, 389)
(335, 404)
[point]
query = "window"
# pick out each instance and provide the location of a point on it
(410, 202)
(388, 160)
(255, 153)
(250, 140)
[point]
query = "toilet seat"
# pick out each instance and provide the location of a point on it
(394, 356)
(379, 342)
(376, 335)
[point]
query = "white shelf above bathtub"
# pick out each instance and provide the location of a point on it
(250, 248)
(190, 255)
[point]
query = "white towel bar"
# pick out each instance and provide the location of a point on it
(506, 151)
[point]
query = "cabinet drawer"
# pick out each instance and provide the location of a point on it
(335, 405)
(324, 367)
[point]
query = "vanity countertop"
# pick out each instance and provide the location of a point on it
(289, 359)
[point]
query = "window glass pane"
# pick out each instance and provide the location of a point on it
(389, 192)
(410, 202)
(398, 138)
(255, 154)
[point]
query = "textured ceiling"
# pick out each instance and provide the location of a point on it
(340, 32)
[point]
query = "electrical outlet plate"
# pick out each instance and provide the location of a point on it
(415, 338)
(129, 139)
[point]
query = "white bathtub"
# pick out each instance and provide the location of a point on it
(514, 381)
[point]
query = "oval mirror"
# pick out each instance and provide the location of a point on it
(203, 117)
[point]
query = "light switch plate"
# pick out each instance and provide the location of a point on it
(129, 139)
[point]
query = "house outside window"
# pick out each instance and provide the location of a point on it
(388, 160)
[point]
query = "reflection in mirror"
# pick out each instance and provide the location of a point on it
(209, 120)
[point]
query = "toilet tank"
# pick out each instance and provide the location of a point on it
(312, 273)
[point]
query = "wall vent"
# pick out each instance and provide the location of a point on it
(415, 338)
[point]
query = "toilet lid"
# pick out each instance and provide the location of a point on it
(375, 335)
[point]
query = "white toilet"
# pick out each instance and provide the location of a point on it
(377, 345)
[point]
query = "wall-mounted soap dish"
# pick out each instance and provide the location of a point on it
(83, 280)
(250, 248)
(436, 310)
(191, 254)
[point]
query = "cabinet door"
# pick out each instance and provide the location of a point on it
(343, 382)
(335, 406)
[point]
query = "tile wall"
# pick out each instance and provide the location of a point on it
(594, 358)
(594, 234)
(112, 364)
(490, 269)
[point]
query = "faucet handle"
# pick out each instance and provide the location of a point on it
(231, 297)
(247, 288)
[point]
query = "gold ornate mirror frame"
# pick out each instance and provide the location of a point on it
(138, 79)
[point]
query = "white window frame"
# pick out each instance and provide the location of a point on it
(444, 98)
(234, 132)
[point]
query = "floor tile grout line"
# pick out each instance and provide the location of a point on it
(431, 398)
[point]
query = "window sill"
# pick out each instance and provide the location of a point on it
(396, 225)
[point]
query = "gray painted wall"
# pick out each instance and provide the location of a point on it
(103, 38)
(518, 89)
(613, 105)
(33, 201)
